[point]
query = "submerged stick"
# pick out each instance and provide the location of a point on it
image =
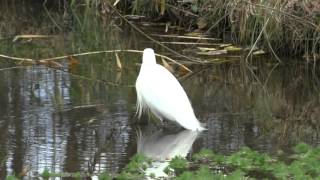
(17, 58)
(44, 61)
(114, 51)
(10, 68)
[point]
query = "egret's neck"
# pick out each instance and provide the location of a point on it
(148, 57)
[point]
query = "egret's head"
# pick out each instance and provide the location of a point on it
(148, 56)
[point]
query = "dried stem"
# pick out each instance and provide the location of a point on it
(41, 61)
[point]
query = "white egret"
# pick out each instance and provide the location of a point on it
(160, 92)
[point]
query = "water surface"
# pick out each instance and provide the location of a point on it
(81, 117)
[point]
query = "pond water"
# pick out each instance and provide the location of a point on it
(81, 116)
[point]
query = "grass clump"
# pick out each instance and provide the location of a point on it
(203, 173)
(45, 174)
(304, 164)
(247, 160)
(104, 176)
(178, 164)
(11, 177)
(206, 156)
(134, 170)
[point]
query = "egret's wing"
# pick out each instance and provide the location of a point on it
(141, 104)
(162, 92)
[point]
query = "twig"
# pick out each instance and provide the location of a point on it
(270, 46)
(258, 38)
(86, 106)
(182, 10)
(31, 36)
(17, 58)
(9, 68)
(269, 74)
(49, 15)
(42, 61)
(113, 51)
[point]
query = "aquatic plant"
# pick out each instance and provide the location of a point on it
(45, 174)
(134, 170)
(178, 164)
(244, 164)
(304, 163)
(11, 177)
(287, 27)
(104, 176)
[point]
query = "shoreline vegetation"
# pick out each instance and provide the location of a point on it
(285, 27)
(288, 28)
(244, 164)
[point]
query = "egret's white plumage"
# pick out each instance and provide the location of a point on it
(158, 90)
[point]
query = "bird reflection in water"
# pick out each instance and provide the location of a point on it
(162, 147)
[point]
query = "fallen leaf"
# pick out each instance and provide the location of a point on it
(195, 34)
(233, 48)
(119, 65)
(210, 53)
(54, 64)
(206, 49)
(167, 27)
(118, 77)
(225, 45)
(202, 23)
(116, 2)
(259, 52)
(73, 61)
(167, 65)
(30, 36)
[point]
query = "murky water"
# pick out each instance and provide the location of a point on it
(81, 117)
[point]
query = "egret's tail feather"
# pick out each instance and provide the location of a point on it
(201, 128)
(194, 126)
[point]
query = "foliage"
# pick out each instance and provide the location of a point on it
(203, 173)
(206, 155)
(134, 170)
(178, 164)
(289, 27)
(45, 174)
(244, 164)
(104, 176)
(305, 163)
(11, 178)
